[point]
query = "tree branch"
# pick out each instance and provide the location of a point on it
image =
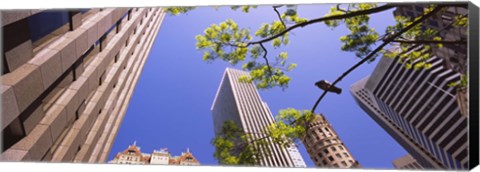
(279, 16)
(430, 42)
(372, 54)
(266, 59)
(322, 19)
(339, 9)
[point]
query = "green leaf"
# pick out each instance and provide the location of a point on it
(276, 42)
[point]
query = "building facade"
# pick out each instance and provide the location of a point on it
(406, 162)
(454, 56)
(133, 155)
(325, 147)
(241, 103)
(419, 110)
(67, 78)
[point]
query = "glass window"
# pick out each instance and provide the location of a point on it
(44, 23)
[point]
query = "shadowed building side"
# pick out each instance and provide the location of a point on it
(68, 77)
(419, 110)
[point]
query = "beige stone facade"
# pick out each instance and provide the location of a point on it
(133, 155)
(325, 147)
(406, 162)
(65, 92)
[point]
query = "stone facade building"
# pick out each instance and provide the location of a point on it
(67, 78)
(406, 162)
(325, 147)
(133, 155)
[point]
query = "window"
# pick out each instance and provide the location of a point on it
(45, 22)
(119, 24)
(116, 57)
(330, 158)
(334, 149)
(338, 155)
(344, 163)
(340, 147)
(326, 151)
(101, 78)
(14, 132)
(345, 154)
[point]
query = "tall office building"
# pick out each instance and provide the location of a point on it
(67, 78)
(241, 103)
(406, 162)
(419, 110)
(325, 147)
(454, 56)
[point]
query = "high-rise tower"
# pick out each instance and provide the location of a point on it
(419, 110)
(67, 78)
(241, 103)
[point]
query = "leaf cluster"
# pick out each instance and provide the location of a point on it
(361, 36)
(232, 146)
(290, 126)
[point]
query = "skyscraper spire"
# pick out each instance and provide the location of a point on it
(188, 150)
(135, 143)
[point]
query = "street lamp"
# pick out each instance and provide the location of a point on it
(325, 85)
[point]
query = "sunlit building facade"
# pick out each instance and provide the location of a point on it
(406, 162)
(240, 102)
(133, 155)
(325, 147)
(67, 78)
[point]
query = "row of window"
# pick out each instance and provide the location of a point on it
(16, 130)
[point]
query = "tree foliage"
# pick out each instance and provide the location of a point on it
(229, 42)
(408, 39)
(235, 147)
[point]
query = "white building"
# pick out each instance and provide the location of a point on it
(241, 103)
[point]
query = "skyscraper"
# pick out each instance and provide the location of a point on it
(406, 162)
(325, 147)
(418, 109)
(67, 78)
(241, 103)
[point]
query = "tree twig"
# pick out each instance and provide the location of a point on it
(327, 18)
(430, 42)
(266, 59)
(279, 16)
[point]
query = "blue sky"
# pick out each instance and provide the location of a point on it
(170, 106)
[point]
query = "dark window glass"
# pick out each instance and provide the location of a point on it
(44, 23)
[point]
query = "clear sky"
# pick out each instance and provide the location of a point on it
(170, 106)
